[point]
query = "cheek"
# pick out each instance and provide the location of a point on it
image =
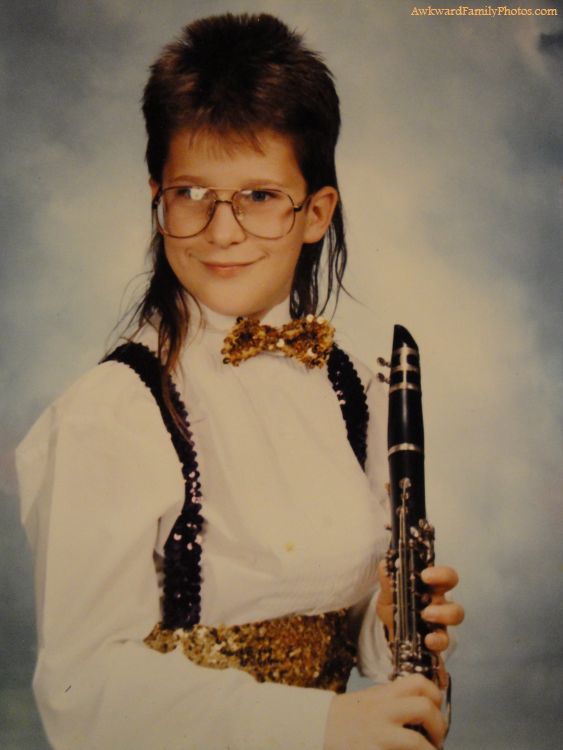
(285, 263)
(173, 248)
(181, 263)
(177, 253)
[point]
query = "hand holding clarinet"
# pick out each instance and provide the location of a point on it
(412, 606)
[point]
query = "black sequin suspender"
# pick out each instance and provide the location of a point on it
(182, 563)
(182, 551)
(352, 399)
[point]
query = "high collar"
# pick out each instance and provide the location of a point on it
(214, 322)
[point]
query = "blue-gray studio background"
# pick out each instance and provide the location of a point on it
(451, 164)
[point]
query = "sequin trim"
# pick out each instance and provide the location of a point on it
(308, 340)
(352, 399)
(300, 650)
(182, 560)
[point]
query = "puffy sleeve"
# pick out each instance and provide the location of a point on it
(96, 473)
(374, 657)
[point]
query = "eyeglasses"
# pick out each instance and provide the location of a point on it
(184, 211)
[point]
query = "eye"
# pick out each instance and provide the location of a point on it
(259, 195)
(191, 193)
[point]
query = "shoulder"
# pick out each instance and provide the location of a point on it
(105, 431)
(110, 389)
(110, 395)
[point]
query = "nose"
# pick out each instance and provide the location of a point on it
(224, 230)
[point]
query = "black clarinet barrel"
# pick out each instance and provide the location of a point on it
(405, 431)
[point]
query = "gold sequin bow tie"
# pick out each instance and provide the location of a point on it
(308, 339)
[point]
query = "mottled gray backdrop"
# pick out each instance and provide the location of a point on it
(451, 169)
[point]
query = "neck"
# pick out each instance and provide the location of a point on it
(215, 322)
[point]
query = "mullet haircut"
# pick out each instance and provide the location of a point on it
(233, 77)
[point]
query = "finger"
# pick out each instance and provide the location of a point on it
(438, 640)
(420, 711)
(443, 676)
(437, 598)
(417, 685)
(407, 739)
(440, 577)
(449, 613)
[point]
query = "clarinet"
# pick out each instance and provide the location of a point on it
(411, 548)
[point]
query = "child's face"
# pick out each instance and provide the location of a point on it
(226, 269)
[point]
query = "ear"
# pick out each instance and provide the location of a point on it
(154, 186)
(319, 213)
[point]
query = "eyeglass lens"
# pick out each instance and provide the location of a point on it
(186, 211)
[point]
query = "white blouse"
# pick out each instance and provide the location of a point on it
(291, 525)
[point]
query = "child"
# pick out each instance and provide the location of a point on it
(206, 507)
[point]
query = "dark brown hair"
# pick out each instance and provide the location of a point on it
(235, 76)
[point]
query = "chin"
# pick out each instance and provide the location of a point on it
(234, 308)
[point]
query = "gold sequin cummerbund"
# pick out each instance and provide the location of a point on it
(300, 650)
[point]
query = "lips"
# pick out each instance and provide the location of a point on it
(226, 269)
(226, 265)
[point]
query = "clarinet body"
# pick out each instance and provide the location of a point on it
(412, 537)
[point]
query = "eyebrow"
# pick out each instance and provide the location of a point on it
(185, 179)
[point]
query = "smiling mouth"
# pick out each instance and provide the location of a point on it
(227, 268)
